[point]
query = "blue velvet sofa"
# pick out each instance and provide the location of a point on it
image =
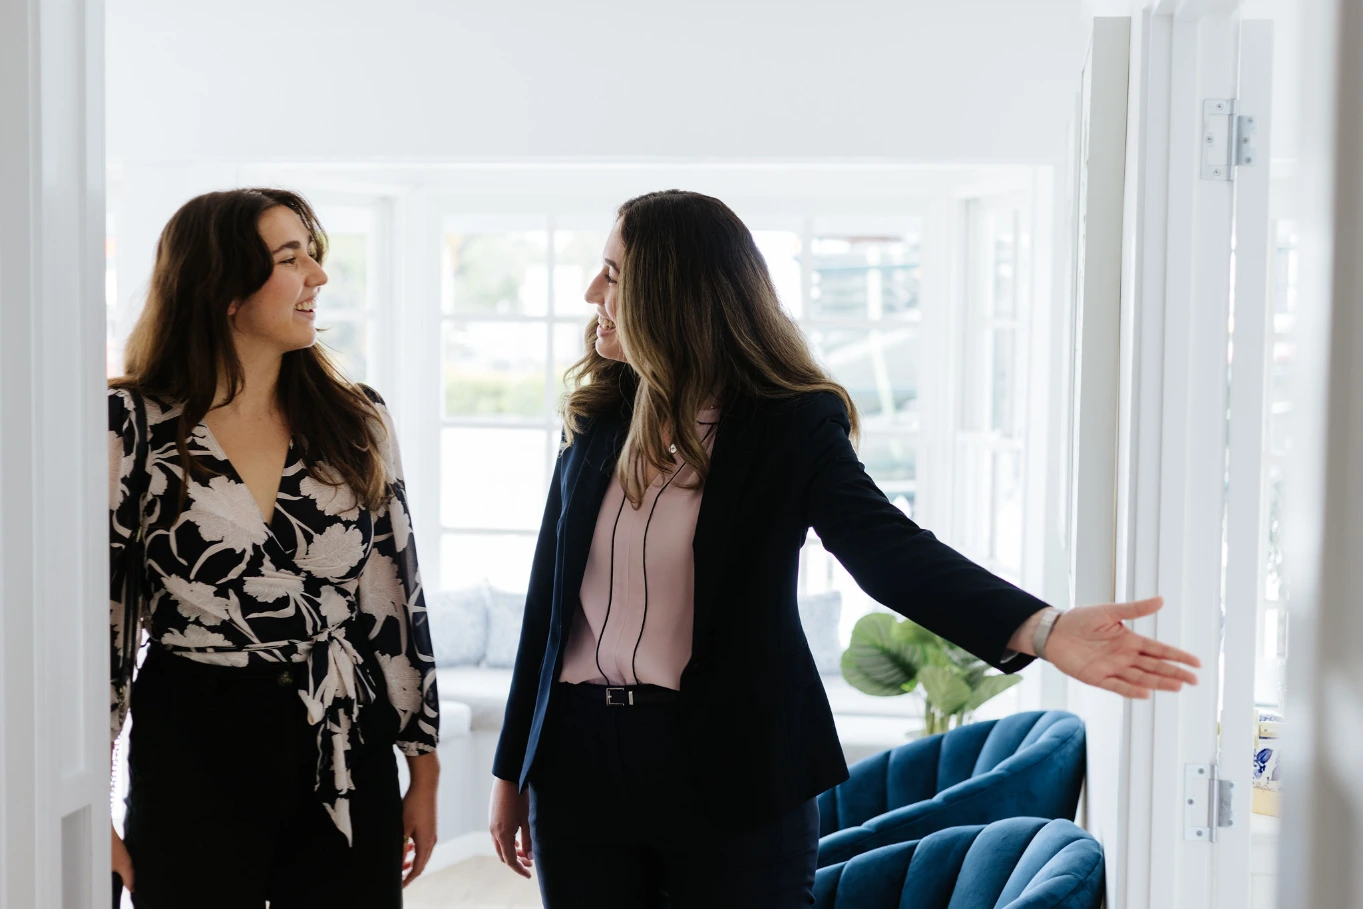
(1025, 765)
(1020, 863)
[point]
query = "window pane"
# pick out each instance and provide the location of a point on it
(868, 277)
(781, 249)
(1007, 512)
(1003, 240)
(493, 478)
(1003, 399)
(347, 268)
(577, 260)
(975, 479)
(502, 273)
(502, 560)
(879, 369)
(892, 461)
(495, 369)
(347, 341)
(569, 346)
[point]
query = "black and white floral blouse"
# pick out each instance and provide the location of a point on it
(323, 576)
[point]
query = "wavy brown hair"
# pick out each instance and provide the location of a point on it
(210, 255)
(699, 321)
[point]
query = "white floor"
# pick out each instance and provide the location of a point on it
(475, 883)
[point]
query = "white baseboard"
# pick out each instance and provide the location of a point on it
(458, 849)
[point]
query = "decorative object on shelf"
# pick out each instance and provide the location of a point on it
(1266, 794)
(889, 657)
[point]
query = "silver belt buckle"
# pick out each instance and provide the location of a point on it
(619, 697)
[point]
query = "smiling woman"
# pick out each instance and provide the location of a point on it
(259, 531)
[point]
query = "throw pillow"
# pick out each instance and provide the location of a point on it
(504, 612)
(459, 626)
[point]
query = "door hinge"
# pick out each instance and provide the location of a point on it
(1227, 139)
(1207, 801)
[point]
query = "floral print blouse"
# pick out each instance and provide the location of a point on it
(326, 582)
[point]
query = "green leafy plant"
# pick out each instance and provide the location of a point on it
(889, 657)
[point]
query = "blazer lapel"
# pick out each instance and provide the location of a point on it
(594, 473)
(731, 462)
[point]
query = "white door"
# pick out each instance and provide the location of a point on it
(1215, 411)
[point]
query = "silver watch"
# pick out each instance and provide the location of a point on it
(1043, 631)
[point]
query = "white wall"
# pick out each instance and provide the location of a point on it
(979, 80)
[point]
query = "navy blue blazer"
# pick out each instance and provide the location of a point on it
(755, 715)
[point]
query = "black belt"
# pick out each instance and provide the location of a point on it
(622, 695)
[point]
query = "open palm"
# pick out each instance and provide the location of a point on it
(1091, 644)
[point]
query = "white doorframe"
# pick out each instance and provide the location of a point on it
(1142, 352)
(1096, 311)
(54, 640)
(1245, 542)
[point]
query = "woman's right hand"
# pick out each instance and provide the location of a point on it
(121, 861)
(509, 813)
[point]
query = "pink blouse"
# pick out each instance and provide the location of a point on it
(634, 618)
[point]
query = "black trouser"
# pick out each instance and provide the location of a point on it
(615, 823)
(221, 808)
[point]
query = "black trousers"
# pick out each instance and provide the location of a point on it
(615, 823)
(221, 808)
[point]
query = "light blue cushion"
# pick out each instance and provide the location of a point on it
(504, 613)
(458, 623)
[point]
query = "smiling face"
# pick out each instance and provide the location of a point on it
(279, 317)
(601, 293)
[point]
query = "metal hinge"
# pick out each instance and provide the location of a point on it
(1207, 801)
(1227, 139)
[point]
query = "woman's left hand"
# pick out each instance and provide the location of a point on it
(418, 816)
(1091, 644)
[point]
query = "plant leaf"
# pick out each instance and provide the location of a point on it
(881, 660)
(989, 687)
(944, 689)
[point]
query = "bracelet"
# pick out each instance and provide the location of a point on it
(1043, 631)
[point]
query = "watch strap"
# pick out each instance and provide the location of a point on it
(1043, 631)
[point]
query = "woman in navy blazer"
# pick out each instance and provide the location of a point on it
(704, 794)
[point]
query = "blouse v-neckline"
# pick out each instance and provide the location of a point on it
(221, 453)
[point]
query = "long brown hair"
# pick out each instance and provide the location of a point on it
(210, 255)
(699, 321)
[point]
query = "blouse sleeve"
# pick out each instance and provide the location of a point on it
(123, 524)
(393, 609)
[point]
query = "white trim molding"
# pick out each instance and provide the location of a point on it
(54, 769)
